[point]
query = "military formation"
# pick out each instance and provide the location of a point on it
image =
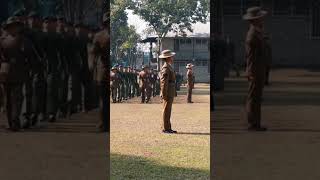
(127, 83)
(56, 67)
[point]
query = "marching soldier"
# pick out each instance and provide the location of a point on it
(114, 83)
(12, 70)
(144, 84)
(168, 78)
(101, 43)
(255, 56)
(190, 82)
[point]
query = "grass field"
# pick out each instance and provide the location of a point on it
(140, 151)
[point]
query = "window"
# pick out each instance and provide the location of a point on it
(249, 3)
(182, 41)
(176, 45)
(231, 7)
(204, 42)
(198, 41)
(205, 63)
(188, 41)
(281, 7)
(315, 23)
(300, 7)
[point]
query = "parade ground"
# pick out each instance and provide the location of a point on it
(139, 150)
(290, 147)
(69, 149)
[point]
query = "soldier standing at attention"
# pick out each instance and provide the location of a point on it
(12, 70)
(50, 46)
(114, 83)
(101, 43)
(190, 82)
(34, 33)
(63, 66)
(167, 84)
(255, 55)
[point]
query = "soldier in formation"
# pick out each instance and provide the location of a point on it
(57, 67)
(130, 83)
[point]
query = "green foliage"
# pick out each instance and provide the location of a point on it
(171, 15)
(123, 37)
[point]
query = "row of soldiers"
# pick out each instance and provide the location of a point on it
(53, 65)
(127, 83)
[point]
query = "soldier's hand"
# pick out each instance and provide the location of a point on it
(250, 78)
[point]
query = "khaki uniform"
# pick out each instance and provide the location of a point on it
(12, 76)
(114, 84)
(101, 43)
(168, 91)
(255, 56)
(190, 84)
(144, 85)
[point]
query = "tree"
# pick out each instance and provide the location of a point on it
(171, 15)
(123, 37)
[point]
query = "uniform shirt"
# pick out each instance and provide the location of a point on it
(190, 78)
(255, 53)
(167, 82)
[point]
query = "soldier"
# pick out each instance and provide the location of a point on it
(268, 59)
(255, 56)
(82, 55)
(153, 80)
(12, 70)
(121, 89)
(91, 59)
(63, 66)
(101, 43)
(190, 82)
(38, 89)
(50, 47)
(168, 78)
(144, 84)
(114, 83)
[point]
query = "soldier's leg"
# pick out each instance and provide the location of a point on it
(104, 122)
(253, 106)
(189, 95)
(2, 99)
(28, 97)
(143, 94)
(14, 105)
(76, 92)
(52, 96)
(148, 93)
(166, 114)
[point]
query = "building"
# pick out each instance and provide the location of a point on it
(294, 26)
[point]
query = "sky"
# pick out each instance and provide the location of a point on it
(140, 24)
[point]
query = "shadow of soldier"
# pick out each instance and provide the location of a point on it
(134, 167)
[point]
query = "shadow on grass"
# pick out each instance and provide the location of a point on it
(134, 167)
(193, 133)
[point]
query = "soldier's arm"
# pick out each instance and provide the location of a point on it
(164, 82)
